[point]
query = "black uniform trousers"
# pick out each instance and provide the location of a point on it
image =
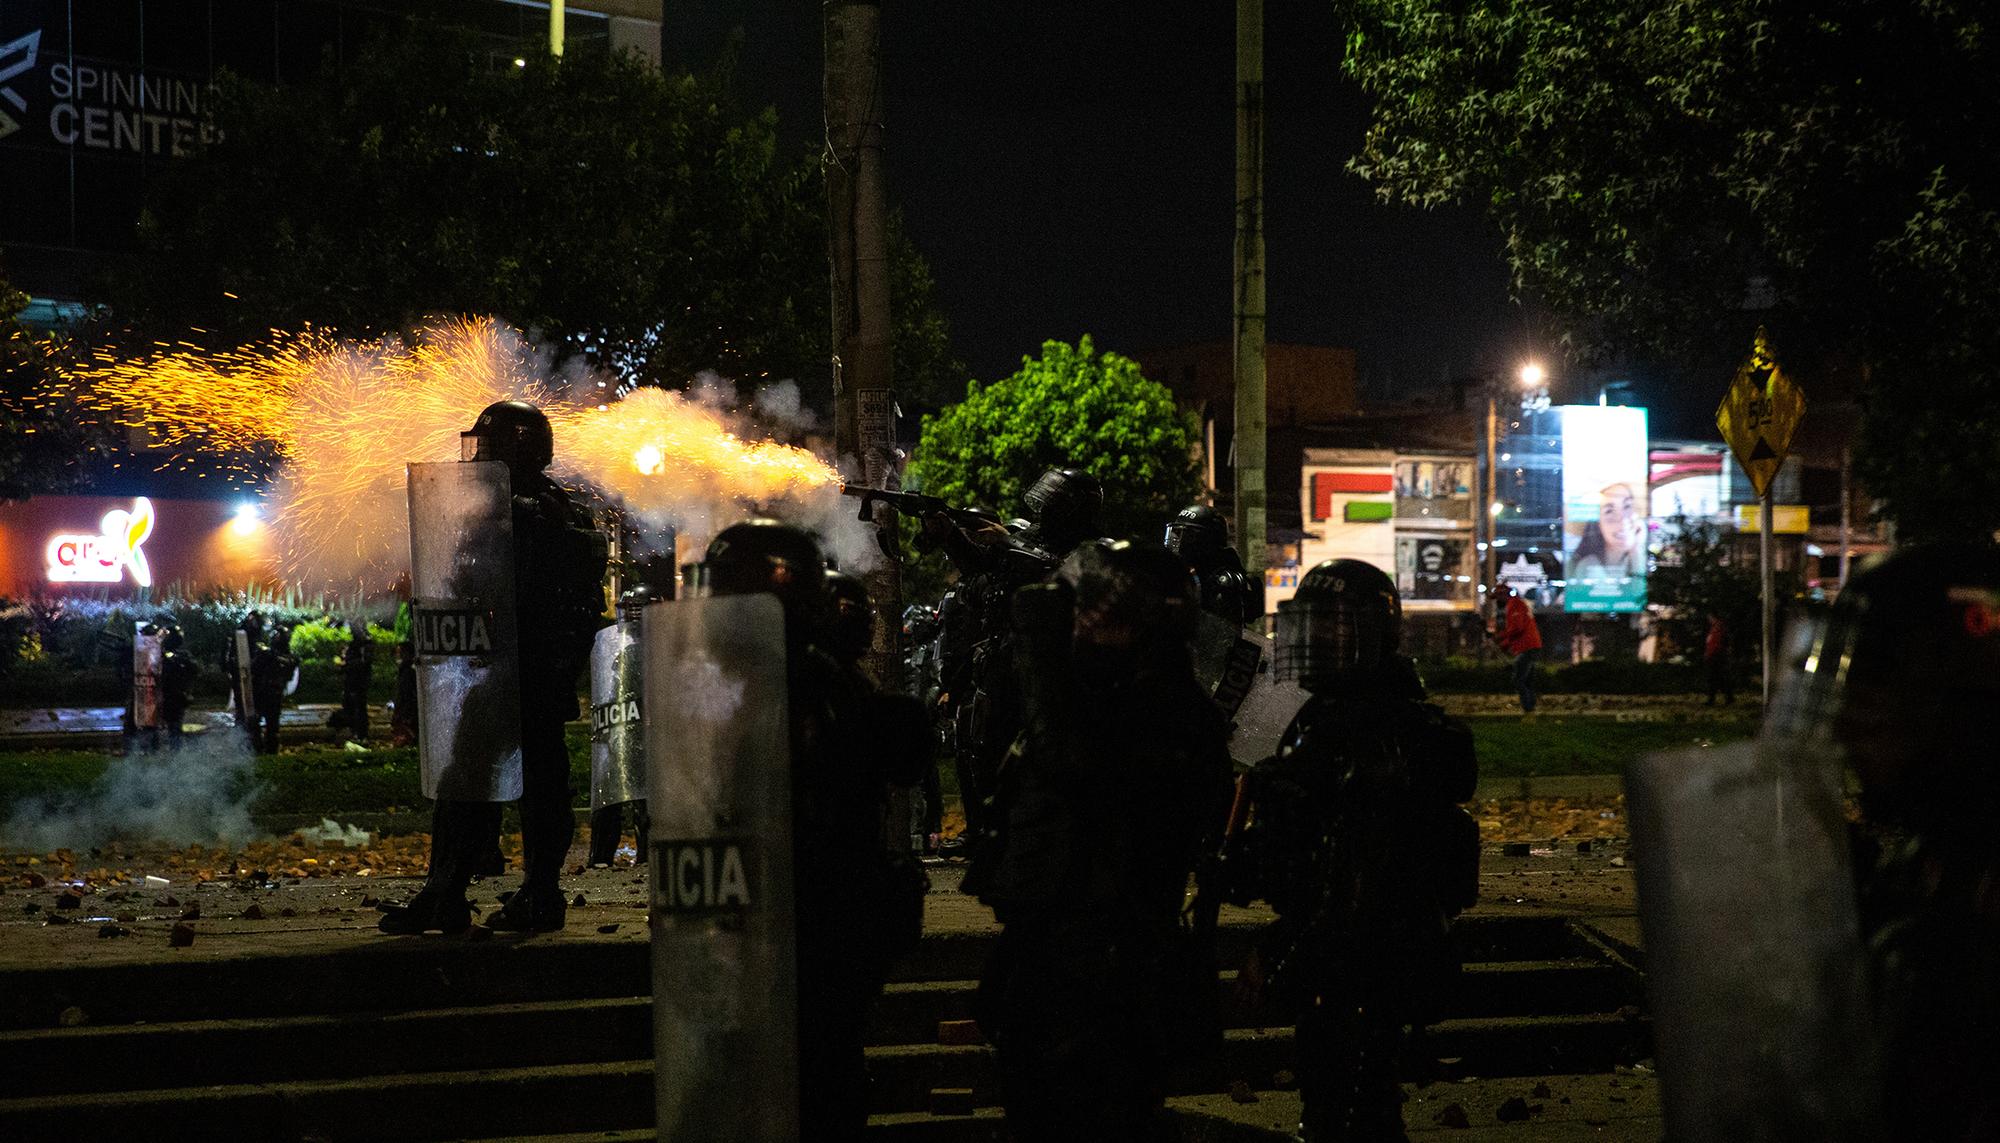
(1071, 1004)
(464, 833)
(264, 731)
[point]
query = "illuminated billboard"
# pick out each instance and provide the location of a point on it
(1604, 491)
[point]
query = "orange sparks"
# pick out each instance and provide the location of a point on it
(348, 416)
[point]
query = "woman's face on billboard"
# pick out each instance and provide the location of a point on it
(1614, 516)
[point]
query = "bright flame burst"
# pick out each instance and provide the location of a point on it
(347, 416)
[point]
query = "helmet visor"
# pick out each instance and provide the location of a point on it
(1318, 642)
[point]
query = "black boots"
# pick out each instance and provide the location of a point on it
(427, 912)
(532, 909)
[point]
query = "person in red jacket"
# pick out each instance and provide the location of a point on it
(1522, 639)
(1715, 656)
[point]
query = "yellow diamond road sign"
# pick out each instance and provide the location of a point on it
(1760, 414)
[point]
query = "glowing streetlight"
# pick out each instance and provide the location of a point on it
(1532, 375)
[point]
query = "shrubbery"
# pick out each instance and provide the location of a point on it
(1611, 676)
(64, 651)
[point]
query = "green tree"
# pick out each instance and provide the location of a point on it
(1698, 577)
(1660, 170)
(1072, 407)
(599, 203)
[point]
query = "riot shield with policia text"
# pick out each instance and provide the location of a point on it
(146, 658)
(1225, 661)
(246, 705)
(718, 758)
(617, 706)
(462, 607)
(1754, 961)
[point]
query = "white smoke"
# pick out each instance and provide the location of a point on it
(329, 831)
(198, 794)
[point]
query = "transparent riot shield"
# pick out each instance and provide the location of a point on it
(1225, 661)
(468, 669)
(246, 704)
(1268, 707)
(1757, 974)
(718, 755)
(146, 655)
(617, 732)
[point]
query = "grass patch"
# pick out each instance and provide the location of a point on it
(314, 779)
(1513, 747)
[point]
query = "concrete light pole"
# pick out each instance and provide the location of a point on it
(858, 253)
(1252, 535)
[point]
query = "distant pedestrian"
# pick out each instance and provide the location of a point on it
(1715, 656)
(1522, 639)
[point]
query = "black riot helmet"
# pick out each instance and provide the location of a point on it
(512, 432)
(850, 621)
(1197, 534)
(762, 554)
(1902, 673)
(1065, 504)
(171, 638)
(1131, 595)
(1341, 629)
(633, 602)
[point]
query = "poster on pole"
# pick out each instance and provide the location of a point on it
(1604, 482)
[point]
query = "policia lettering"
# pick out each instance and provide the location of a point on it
(454, 632)
(621, 711)
(706, 875)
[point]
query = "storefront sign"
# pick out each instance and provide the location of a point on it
(105, 558)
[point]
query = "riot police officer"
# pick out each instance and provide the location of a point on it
(1200, 537)
(858, 906)
(559, 562)
(608, 737)
(1120, 774)
(357, 669)
(1064, 505)
(177, 674)
(272, 667)
(1901, 680)
(850, 621)
(1357, 840)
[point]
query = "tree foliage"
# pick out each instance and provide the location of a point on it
(1698, 577)
(1072, 407)
(597, 202)
(1661, 170)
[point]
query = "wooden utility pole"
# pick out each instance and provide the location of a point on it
(1251, 533)
(858, 252)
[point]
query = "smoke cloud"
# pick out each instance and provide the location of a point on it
(199, 794)
(347, 416)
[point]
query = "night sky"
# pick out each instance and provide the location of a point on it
(1070, 169)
